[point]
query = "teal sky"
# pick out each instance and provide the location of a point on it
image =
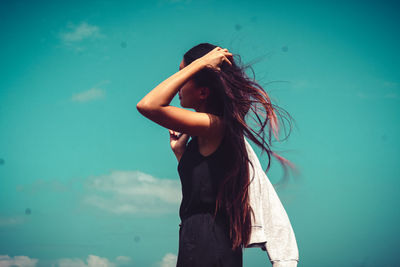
(85, 180)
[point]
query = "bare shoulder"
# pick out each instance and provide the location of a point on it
(217, 127)
(208, 144)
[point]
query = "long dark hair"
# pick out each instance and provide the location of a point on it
(232, 95)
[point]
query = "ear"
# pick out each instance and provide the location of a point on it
(204, 92)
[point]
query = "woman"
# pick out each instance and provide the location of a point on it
(214, 165)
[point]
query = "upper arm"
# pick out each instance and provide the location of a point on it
(182, 120)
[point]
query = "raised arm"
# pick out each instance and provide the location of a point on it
(155, 105)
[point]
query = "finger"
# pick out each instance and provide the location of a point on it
(184, 138)
(228, 54)
(172, 135)
(227, 60)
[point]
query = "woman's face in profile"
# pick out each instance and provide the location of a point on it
(188, 92)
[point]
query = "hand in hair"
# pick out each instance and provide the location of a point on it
(216, 57)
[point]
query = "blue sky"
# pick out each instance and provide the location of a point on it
(85, 180)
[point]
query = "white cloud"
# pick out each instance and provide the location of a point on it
(76, 35)
(80, 32)
(120, 192)
(92, 261)
(20, 261)
(169, 260)
(94, 93)
(96, 261)
(127, 192)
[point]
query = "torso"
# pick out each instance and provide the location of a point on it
(200, 175)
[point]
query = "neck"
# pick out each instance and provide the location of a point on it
(204, 108)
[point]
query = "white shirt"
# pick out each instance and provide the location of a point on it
(270, 229)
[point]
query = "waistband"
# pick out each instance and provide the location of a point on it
(219, 216)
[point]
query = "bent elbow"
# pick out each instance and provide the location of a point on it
(146, 110)
(142, 107)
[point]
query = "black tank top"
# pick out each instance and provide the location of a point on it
(200, 176)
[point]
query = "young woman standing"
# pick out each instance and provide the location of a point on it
(214, 165)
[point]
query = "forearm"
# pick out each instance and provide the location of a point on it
(163, 93)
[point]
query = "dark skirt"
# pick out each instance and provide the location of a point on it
(204, 242)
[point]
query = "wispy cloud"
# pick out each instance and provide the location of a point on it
(93, 93)
(389, 84)
(75, 37)
(11, 221)
(77, 33)
(378, 89)
(169, 260)
(129, 192)
(92, 261)
(21, 261)
(123, 259)
(119, 192)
